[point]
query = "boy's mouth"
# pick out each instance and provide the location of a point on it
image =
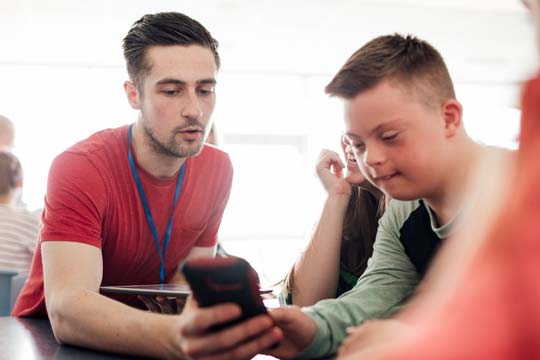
(385, 177)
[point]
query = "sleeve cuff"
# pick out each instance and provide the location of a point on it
(319, 347)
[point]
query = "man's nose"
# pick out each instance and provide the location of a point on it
(192, 108)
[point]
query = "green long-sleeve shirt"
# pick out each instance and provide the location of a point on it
(407, 238)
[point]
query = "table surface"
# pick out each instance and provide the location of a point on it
(29, 339)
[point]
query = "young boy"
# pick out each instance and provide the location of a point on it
(405, 124)
(486, 305)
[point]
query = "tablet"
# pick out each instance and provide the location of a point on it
(169, 290)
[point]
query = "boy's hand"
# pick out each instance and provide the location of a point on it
(330, 171)
(238, 342)
(298, 331)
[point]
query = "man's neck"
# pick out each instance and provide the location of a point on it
(451, 197)
(157, 164)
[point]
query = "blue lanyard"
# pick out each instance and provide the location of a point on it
(137, 179)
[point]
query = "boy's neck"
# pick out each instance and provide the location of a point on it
(449, 201)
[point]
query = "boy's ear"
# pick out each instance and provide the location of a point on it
(132, 94)
(452, 113)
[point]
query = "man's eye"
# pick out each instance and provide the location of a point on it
(206, 91)
(170, 92)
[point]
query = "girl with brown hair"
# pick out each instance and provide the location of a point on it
(342, 242)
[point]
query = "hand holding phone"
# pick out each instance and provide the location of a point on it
(225, 280)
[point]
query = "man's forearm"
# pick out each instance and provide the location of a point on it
(88, 319)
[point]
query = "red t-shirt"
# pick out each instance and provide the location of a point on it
(93, 199)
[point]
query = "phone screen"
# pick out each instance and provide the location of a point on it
(225, 280)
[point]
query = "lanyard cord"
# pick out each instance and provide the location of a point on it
(144, 201)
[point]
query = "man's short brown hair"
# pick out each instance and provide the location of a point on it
(407, 60)
(162, 29)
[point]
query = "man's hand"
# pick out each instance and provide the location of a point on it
(237, 342)
(163, 305)
(298, 331)
(367, 337)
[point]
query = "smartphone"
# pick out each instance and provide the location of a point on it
(225, 280)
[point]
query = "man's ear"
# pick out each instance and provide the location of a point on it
(452, 112)
(132, 94)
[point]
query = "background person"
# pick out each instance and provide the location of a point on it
(18, 227)
(7, 134)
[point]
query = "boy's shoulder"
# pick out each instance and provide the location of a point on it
(402, 208)
(497, 152)
(398, 211)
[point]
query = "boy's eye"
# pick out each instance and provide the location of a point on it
(389, 136)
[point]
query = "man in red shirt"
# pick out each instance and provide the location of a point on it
(128, 205)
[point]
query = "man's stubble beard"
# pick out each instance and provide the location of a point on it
(172, 148)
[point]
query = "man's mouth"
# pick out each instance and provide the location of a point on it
(191, 130)
(191, 133)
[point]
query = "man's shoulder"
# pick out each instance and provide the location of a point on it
(102, 143)
(209, 150)
(212, 156)
(95, 155)
(102, 140)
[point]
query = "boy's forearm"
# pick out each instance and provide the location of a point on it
(88, 319)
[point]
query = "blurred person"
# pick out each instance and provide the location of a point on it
(342, 241)
(486, 305)
(7, 134)
(128, 205)
(7, 141)
(18, 227)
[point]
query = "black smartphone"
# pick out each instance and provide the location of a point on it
(225, 280)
